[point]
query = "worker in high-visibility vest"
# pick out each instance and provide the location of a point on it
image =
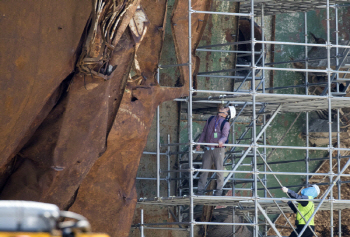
(306, 208)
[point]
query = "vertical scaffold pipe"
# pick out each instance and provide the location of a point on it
(306, 93)
(338, 115)
(329, 111)
(158, 145)
(253, 90)
(263, 85)
(141, 227)
(168, 159)
(263, 91)
(189, 127)
(337, 42)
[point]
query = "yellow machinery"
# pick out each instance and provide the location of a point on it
(36, 219)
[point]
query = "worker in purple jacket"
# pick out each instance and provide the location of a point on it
(212, 133)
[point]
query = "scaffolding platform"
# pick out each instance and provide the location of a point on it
(290, 103)
(271, 208)
(273, 7)
(241, 204)
(197, 200)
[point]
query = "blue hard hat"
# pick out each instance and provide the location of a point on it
(311, 191)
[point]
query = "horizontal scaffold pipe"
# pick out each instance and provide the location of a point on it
(226, 44)
(164, 228)
(221, 13)
(172, 65)
(224, 51)
(234, 95)
(165, 223)
(301, 70)
(302, 60)
(266, 172)
(302, 185)
(174, 144)
(301, 160)
(219, 101)
(223, 223)
(180, 100)
(267, 199)
(224, 76)
(280, 147)
(153, 153)
(300, 44)
(296, 86)
(142, 178)
(224, 71)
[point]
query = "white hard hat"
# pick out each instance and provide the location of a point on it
(232, 111)
(317, 189)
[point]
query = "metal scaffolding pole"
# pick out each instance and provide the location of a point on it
(143, 178)
(142, 227)
(325, 71)
(329, 111)
(306, 93)
(262, 172)
(232, 77)
(263, 91)
(222, 13)
(338, 117)
(302, 44)
(189, 123)
(273, 146)
(255, 168)
(224, 51)
(336, 43)
(158, 144)
(153, 153)
(233, 177)
(168, 159)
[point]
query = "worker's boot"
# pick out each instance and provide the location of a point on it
(218, 192)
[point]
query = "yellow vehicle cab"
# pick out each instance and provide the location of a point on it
(36, 219)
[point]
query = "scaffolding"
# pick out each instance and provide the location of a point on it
(249, 154)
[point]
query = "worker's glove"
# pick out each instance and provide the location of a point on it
(285, 189)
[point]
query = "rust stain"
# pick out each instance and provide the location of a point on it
(21, 62)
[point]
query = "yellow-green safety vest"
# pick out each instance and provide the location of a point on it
(306, 211)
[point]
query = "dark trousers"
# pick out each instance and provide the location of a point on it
(307, 232)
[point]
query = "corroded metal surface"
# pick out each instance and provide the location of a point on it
(179, 29)
(38, 46)
(69, 141)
